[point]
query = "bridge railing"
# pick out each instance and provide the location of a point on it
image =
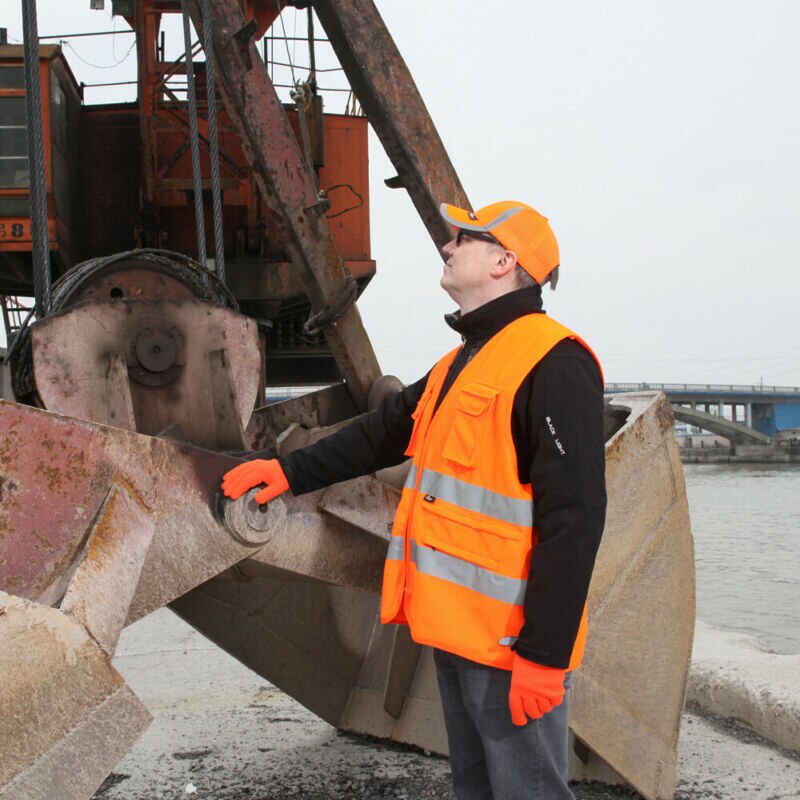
(707, 388)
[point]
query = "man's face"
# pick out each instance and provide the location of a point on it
(468, 262)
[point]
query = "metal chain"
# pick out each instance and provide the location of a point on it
(38, 192)
(216, 192)
(197, 179)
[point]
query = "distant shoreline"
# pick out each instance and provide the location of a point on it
(722, 455)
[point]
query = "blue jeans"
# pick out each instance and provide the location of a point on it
(490, 757)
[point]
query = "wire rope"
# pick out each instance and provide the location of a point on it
(38, 192)
(286, 41)
(197, 180)
(216, 192)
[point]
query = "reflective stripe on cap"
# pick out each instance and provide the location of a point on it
(474, 226)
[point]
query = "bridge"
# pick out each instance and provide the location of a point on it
(757, 415)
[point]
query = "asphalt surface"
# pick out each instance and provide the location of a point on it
(222, 733)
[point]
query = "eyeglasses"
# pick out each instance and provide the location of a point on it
(484, 237)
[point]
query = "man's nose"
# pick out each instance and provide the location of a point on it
(449, 247)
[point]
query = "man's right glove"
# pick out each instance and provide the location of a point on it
(535, 689)
(241, 479)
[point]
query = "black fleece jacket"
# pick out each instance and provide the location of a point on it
(557, 429)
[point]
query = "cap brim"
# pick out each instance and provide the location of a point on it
(461, 218)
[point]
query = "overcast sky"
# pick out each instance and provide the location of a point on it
(661, 139)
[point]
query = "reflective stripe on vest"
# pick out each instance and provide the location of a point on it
(437, 564)
(396, 549)
(471, 497)
(464, 573)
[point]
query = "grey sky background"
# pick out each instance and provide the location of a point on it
(661, 139)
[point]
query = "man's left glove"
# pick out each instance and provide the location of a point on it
(535, 689)
(241, 479)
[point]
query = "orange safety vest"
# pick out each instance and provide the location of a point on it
(459, 557)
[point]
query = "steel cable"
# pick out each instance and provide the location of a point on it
(67, 290)
(197, 179)
(216, 192)
(38, 192)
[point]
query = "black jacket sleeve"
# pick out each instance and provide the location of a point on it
(369, 443)
(559, 436)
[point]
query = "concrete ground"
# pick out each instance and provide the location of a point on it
(222, 733)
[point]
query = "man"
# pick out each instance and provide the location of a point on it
(500, 519)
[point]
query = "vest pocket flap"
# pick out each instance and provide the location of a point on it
(475, 399)
(450, 531)
(447, 533)
(468, 425)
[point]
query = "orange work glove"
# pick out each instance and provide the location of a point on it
(535, 689)
(241, 479)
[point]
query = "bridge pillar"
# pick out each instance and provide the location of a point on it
(748, 414)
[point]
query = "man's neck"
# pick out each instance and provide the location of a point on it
(487, 319)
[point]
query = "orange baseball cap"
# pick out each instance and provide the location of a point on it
(518, 227)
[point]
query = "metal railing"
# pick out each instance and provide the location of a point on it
(704, 388)
(15, 313)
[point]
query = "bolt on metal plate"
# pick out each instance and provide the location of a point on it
(249, 522)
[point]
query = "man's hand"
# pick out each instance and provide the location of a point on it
(535, 690)
(252, 473)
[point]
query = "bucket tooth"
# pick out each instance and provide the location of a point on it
(68, 716)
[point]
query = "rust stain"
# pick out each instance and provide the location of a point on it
(100, 545)
(53, 475)
(7, 487)
(666, 420)
(133, 491)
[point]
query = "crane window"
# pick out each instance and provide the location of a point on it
(13, 143)
(12, 78)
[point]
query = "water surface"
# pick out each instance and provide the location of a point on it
(746, 526)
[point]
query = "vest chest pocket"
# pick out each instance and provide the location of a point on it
(470, 422)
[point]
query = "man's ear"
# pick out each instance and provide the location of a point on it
(504, 264)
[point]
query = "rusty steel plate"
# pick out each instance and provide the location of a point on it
(151, 364)
(55, 475)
